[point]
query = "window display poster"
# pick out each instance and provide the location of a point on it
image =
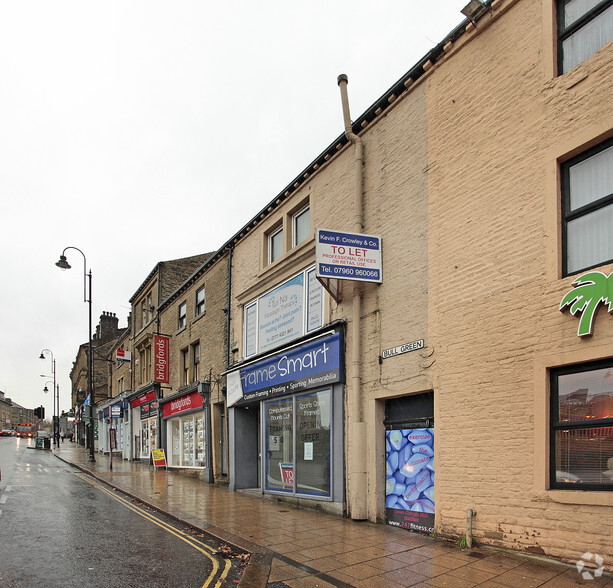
(280, 314)
(409, 488)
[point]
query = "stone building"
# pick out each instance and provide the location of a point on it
(5, 412)
(194, 320)
(107, 331)
(454, 390)
(161, 282)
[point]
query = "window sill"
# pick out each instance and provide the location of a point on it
(197, 318)
(587, 497)
(181, 330)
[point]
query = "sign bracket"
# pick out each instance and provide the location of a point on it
(333, 286)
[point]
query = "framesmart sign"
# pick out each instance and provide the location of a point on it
(348, 256)
(314, 364)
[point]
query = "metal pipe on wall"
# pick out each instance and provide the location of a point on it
(357, 477)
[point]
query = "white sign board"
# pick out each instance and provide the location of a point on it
(406, 348)
(348, 256)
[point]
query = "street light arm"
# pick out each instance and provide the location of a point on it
(64, 265)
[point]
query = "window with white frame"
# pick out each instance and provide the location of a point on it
(584, 26)
(182, 315)
(587, 208)
(275, 245)
(200, 301)
(301, 226)
(292, 309)
(582, 427)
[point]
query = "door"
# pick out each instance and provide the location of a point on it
(409, 462)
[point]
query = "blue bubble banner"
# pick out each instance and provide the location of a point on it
(409, 485)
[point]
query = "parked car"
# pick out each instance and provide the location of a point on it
(43, 435)
(6, 433)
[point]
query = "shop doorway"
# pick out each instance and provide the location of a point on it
(409, 462)
(245, 465)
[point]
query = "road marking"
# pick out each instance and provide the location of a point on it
(3, 499)
(204, 549)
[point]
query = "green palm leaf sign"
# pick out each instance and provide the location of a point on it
(590, 290)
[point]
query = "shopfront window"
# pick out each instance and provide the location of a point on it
(280, 445)
(582, 427)
(175, 434)
(313, 443)
(187, 441)
(187, 451)
(298, 433)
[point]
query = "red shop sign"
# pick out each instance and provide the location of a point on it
(161, 370)
(181, 404)
(144, 398)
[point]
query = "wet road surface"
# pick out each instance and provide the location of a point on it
(61, 527)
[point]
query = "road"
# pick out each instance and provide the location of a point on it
(60, 527)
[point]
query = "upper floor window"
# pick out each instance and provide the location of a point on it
(145, 365)
(301, 226)
(275, 245)
(196, 361)
(582, 427)
(182, 315)
(200, 301)
(184, 367)
(587, 208)
(584, 26)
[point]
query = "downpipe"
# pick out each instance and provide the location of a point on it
(357, 477)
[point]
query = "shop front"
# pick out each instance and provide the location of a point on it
(286, 423)
(185, 421)
(112, 426)
(145, 423)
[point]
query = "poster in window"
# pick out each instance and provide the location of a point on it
(409, 487)
(280, 314)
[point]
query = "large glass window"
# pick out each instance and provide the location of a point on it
(313, 431)
(280, 445)
(584, 26)
(582, 427)
(587, 199)
(187, 445)
(298, 442)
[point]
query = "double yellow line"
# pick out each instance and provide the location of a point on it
(204, 549)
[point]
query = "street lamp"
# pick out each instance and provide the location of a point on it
(56, 435)
(56, 397)
(87, 280)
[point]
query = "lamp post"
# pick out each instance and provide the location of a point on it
(56, 436)
(56, 398)
(87, 281)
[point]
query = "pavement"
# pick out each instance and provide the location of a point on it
(303, 548)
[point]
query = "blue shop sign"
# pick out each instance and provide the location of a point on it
(314, 364)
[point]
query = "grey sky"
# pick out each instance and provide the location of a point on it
(146, 131)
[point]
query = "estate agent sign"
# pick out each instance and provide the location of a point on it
(348, 256)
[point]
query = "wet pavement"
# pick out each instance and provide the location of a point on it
(299, 547)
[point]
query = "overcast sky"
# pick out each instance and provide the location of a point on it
(146, 131)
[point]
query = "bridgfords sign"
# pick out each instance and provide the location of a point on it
(182, 404)
(161, 364)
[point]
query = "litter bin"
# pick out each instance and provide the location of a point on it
(47, 441)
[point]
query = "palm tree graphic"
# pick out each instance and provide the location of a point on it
(590, 290)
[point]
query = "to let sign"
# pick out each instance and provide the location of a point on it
(348, 256)
(161, 364)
